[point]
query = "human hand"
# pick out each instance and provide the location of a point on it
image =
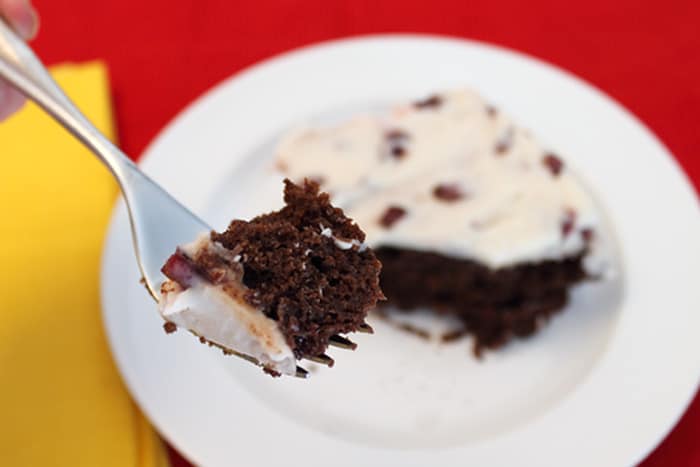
(23, 18)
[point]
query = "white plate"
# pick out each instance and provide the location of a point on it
(601, 385)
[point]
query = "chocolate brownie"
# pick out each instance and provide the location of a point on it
(305, 267)
(468, 213)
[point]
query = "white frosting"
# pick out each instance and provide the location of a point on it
(513, 207)
(225, 319)
(343, 244)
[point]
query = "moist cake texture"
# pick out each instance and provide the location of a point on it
(468, 213)
(276, 287)
(494, 305)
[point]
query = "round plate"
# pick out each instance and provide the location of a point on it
(601, 385)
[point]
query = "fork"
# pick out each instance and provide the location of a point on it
(159, 223)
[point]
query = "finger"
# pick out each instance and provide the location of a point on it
(11, 100)
(21, 15)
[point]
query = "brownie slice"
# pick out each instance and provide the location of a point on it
(469, 214)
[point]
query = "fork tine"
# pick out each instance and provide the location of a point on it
(323, 359)
(365, 328)
(342, 342)
(301, 373)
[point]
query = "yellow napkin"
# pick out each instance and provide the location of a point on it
(61, 399)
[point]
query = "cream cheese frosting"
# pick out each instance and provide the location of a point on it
(451, 175)
(225, 318)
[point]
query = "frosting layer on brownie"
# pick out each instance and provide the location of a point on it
(448, 174)
(220, 314)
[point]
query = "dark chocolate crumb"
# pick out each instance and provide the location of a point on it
(430, 102)
(568, 223)
(391, 216)
(501, 148)
(204, 341)
(169, 327)
(396, 134)
(271, 372)
(454, 335)
(553, 163)
(398, 151)
(448, 192)
(396, 140)
(143, 282)
(416, 331)
(504, 142)
(478, 349)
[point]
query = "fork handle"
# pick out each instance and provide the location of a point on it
(21, 68)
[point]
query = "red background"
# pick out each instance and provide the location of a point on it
(164, 53)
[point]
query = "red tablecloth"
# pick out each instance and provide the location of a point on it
(164, 53)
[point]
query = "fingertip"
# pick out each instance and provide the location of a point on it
(22, 16)
(11, 101)
(30, 24)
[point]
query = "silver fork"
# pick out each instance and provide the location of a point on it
(159, 223)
